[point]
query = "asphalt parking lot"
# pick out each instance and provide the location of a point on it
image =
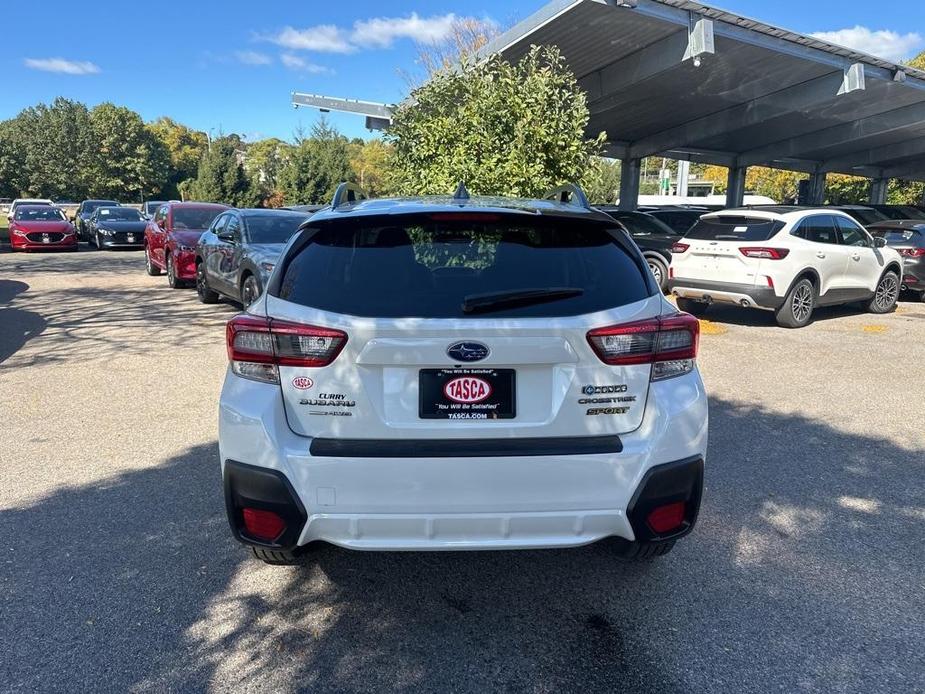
(806, 571)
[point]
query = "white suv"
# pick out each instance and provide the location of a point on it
(461, 373)
(785, 260)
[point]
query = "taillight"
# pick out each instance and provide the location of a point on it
(762, 252)
(257, 346)
(912, 252)
(668, 342)
(680, 247)
(263, 525)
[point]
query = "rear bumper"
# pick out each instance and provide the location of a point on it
(726, 292)
(477, 501)
(914, 274)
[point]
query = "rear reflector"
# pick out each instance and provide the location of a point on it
(680, 247)
(263, 525)
(256, 346)
(912, 252)
(666, 518)
(662, 339)
(762, 252)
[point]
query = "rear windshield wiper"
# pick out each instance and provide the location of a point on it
(482, 303)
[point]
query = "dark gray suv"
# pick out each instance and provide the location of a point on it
(235, 256)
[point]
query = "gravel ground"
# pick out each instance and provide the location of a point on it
(805, 573)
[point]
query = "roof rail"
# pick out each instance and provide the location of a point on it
(348, 192)
(570, 194)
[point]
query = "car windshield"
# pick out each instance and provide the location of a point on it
(91, 206)
(194, 217)
(39, 214)
(454, 269)
(272, 228)
(151, 207)
(866, 215)
(730, 228)
(643, 224)
(120, 214)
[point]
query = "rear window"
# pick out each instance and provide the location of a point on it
(194, 217)
(902, 237)
(727, 228)
(432, 269)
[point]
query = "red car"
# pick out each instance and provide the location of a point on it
(171, 237)
(41, 227)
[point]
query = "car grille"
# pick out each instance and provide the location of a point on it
(39, 237)
(122, 237)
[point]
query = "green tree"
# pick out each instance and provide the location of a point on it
(221, 176)
(502, 129)
(369, 162)
(918, 61)
(601, 181)
(186, 148)
(132, 163)
(53, 149)
(316, 166)
(264, 164)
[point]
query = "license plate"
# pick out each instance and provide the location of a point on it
(467, 394)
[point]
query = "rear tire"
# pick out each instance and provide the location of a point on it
(641, 551)
(695, 308)
(152, 269)
(659, 271)
(922, 296)
(275, 557)
(797, 309)
(206, 295)
(886, 295)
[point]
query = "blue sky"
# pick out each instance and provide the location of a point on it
(229, 65)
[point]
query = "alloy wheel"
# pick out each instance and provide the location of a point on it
(656, 271)
(802, 303)
(249, 292)
(887, 292)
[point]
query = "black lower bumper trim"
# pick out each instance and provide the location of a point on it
(761, 296)
(249, 486)
(464, 448)
(681, 480)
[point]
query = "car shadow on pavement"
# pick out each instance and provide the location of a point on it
(805, 572)
(17, 326)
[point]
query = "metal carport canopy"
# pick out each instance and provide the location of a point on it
(681, 79)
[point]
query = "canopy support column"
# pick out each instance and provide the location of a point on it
(629, 183)
(735, 186)
(878, 190)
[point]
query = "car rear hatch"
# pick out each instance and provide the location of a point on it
(726, 248)
(465, 325)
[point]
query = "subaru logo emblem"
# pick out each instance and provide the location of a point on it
(467, 351)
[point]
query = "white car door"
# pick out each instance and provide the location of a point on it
(828, 258)
(865, 263)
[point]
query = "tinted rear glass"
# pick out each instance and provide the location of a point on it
(272, 228)
(91, 206)
(194, 217)
(643, 224)
(727, 228)
(903, 237)
(428, 269)
(866, 215)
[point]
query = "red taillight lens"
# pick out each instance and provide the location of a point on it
(912, 252)
(263, 525)
(680, 247)
(762, 252)
(257, 345)
(665, 338)
(666, 518)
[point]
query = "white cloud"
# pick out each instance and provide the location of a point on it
(67, 67)
(253, 58)
(381, 32)
(324, 38)
(294, 62)
(881, 43)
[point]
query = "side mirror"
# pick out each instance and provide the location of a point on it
(879, 242)
(226, 236)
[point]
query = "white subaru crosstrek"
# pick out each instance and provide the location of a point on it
(783, 259)
(461, 373)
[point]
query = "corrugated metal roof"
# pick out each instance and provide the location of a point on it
(764, 95)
